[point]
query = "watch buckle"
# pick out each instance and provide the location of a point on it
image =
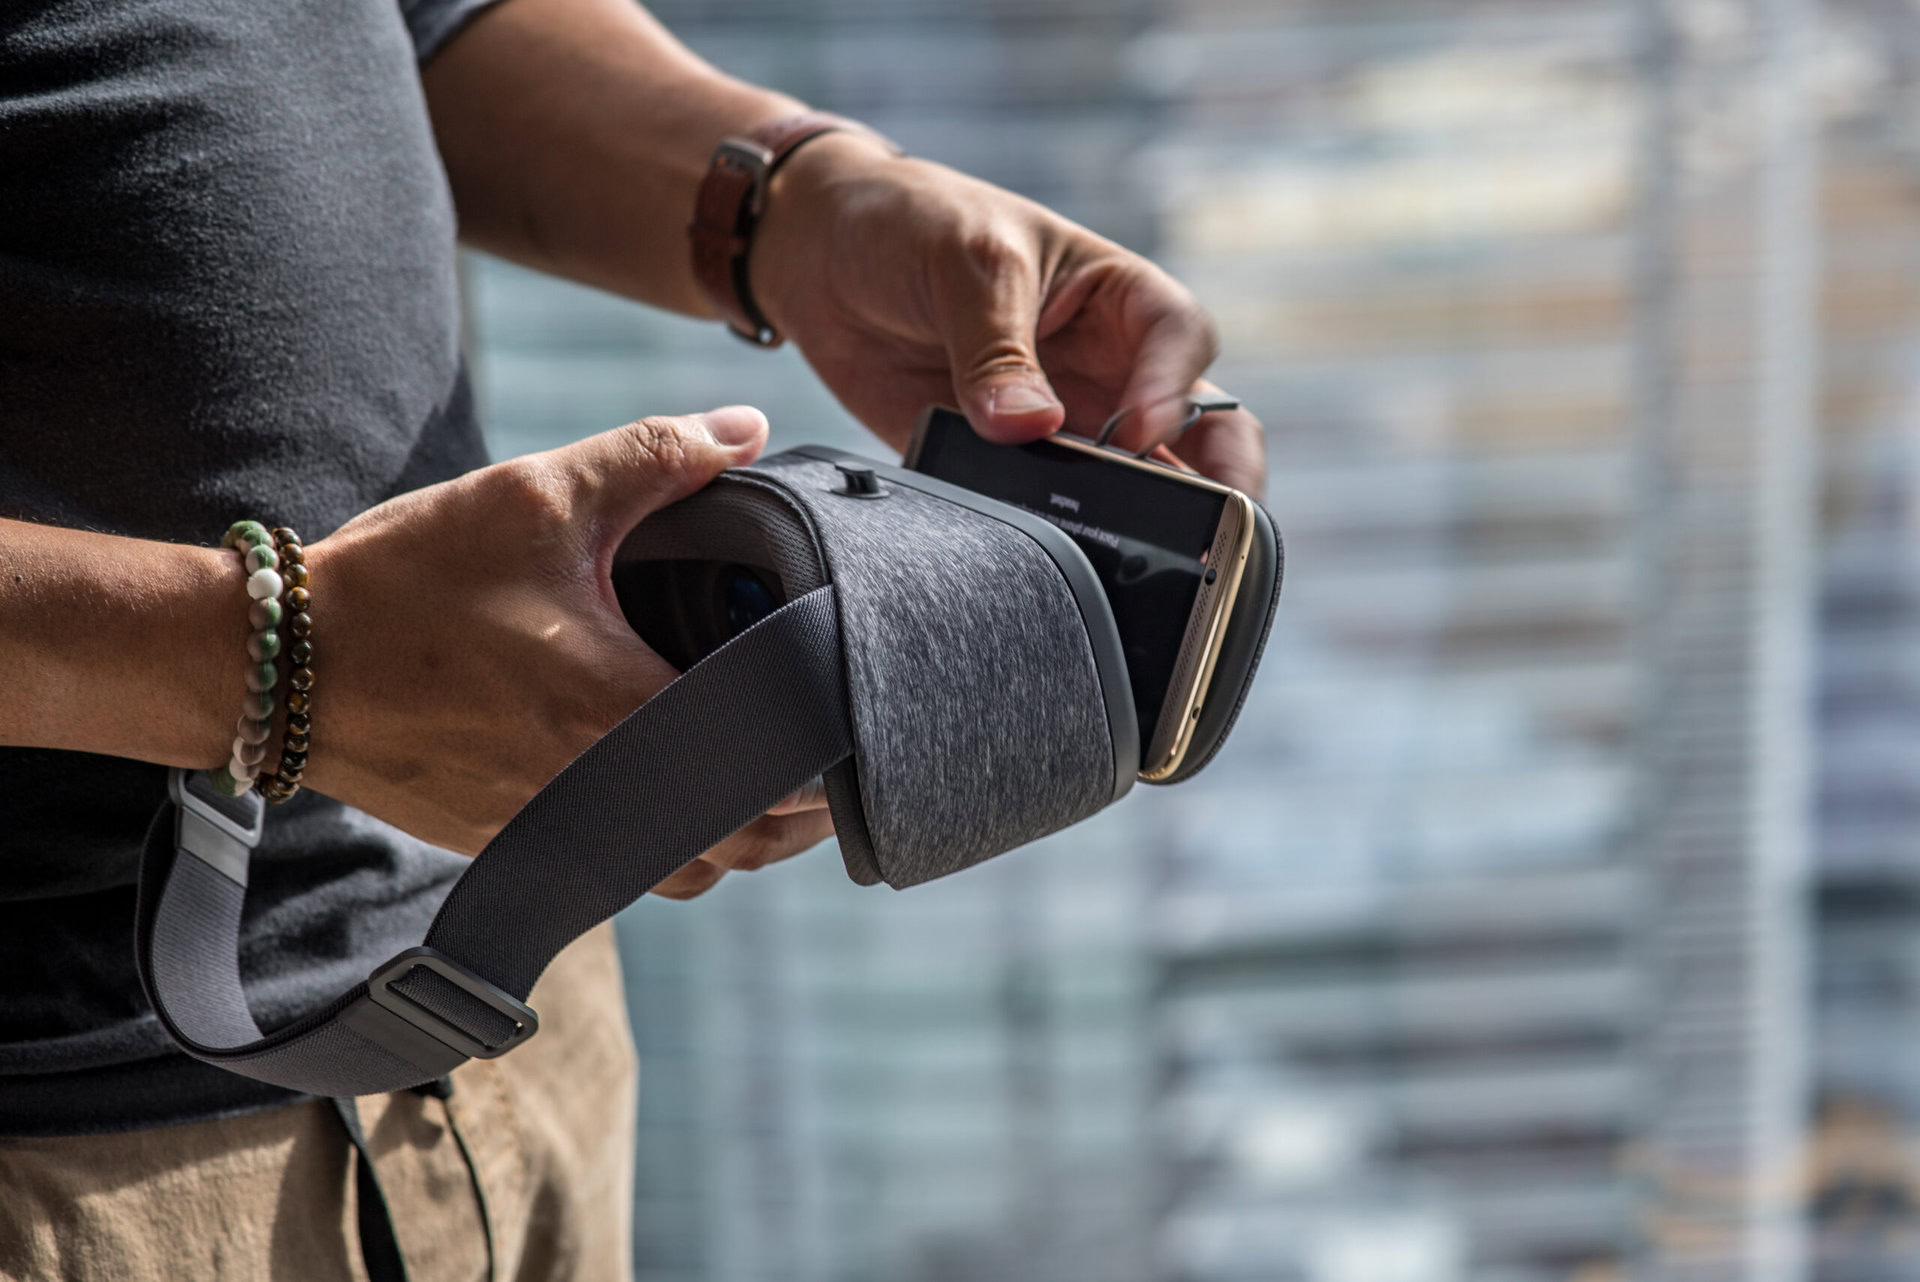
(739, 153)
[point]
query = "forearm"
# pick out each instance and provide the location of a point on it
(119, 646)
(575, 134)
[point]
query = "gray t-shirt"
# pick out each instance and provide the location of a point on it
(227, 289)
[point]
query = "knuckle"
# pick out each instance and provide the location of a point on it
(771, 839)
(993, 255)
(530, 492)
(657, 444)
(1206, 332)
(1000, 356)
(1181, 312)
(752, 848)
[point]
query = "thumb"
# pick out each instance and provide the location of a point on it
(996, 373)
(642, 467)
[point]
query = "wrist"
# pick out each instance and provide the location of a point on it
(126, 647)
(197, 629)
(209, 660)
(734, 197)
(805, 202)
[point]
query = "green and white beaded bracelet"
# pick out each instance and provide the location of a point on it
(261, 561)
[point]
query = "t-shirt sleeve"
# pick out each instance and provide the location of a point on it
(434, 22)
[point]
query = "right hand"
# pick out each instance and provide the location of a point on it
(468, 645)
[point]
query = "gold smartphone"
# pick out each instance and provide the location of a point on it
(1170, 549)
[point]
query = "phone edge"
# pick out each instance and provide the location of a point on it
(1180, 714)
(1161, 758)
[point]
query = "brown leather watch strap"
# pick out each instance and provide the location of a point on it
(727, 210)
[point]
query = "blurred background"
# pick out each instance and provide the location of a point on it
(1554, 912)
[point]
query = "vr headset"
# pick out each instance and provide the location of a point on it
(948, 664)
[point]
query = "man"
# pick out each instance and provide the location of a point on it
(227, 290)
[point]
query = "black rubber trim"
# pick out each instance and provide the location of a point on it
(1095, 613)
(1240, 649)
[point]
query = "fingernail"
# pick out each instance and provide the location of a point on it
(735, 425)
(1020, 398)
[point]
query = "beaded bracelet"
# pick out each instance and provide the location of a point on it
(264, 585)
(293, 749)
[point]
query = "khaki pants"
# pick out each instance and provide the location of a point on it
(271, 1195)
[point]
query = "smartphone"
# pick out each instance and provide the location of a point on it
(1173, 552)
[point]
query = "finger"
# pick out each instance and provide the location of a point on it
(770, 839)
(767, 840)
(633, 470)
(1177, 343)
(1230, 446)
(696, 878)
(811, 795)
(1164, 454)
(991, 297)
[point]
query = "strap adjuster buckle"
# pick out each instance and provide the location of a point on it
(219, 831)
(380, 988)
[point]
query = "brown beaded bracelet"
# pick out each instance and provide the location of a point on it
(285, 781)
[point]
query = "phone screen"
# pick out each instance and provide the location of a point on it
(1147, 534)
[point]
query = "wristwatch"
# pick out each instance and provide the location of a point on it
(729, 205)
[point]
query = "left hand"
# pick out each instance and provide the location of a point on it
(905, 283)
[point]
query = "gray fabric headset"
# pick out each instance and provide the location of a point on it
(948, 664)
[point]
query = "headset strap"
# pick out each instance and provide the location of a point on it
(730, 737)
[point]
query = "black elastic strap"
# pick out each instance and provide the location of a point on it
(731, 736)
(379, 1245)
